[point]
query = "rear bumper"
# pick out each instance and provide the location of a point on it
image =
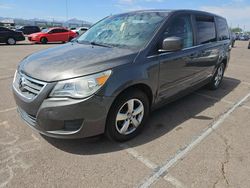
(20, 38)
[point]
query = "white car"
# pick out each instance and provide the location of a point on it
(80, 30)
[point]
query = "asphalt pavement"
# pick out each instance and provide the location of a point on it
(201, 140)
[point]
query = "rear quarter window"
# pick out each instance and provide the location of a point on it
(205, 30)
(223, 32)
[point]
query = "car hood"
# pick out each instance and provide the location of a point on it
(73, 60)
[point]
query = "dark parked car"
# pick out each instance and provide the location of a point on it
(109, 79)
(9, 36)
(27, 30)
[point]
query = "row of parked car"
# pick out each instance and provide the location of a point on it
(36, 35)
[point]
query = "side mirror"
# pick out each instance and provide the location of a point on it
(171, 44)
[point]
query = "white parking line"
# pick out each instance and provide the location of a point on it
(139, 157)
(8, 109)
(180, 155)
(247, 107)
(3, 122)
(175, 182)
(217, 99)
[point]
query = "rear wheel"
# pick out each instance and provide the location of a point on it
(11, 41)
(127, 116)
(218, 77)
(44, 40)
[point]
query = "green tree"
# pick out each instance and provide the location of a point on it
(236, 29)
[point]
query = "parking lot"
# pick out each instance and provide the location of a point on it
(201, 140)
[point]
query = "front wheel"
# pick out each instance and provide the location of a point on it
(11, 41)
(127, 116)
(44, 40)
(218, 77)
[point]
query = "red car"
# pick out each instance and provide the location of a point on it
(56, 34)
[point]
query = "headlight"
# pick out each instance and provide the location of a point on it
(80, 87)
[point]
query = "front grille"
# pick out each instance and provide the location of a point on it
(27, 87)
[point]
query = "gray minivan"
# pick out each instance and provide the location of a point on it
(124, 66)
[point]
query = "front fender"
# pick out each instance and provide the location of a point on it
(129, 75)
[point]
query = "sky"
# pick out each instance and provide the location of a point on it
(237, 12)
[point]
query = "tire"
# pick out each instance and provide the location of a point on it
(44, 40)
(70, 39)
(218, 77)
(233, 44)
(130, 122)
(11, 41)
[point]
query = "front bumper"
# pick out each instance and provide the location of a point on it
(32, 39)
(64, 117)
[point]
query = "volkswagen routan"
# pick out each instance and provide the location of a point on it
(126, 65)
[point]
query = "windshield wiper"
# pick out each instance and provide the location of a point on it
(100, 44)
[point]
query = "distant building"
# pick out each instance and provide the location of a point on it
(9, 22)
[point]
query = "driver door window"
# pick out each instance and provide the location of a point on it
(180, 27)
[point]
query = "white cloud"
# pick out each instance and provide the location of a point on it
(6, 6)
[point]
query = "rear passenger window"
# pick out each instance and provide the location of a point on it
(223, 33)
(181, 27)
(63, 31)
(205, 30)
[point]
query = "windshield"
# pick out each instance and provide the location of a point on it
(131, 30)
(45, 30)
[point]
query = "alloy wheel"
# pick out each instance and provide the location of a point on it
(129, 116)
(11, 41)
(219, 75)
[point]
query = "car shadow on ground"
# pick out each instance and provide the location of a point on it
(160, 123)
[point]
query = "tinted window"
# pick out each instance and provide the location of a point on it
(181, 27)
(55, 31)
(63, 30)
(205, 30)
(3, 29)
(223, 33)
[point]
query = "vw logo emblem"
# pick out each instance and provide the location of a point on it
(22, 83)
